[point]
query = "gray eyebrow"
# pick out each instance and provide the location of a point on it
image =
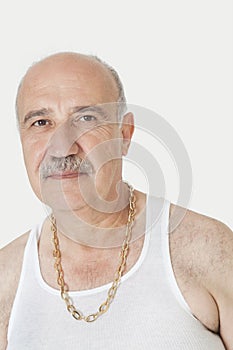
(47, 111)
(36, 113)
(86, 108)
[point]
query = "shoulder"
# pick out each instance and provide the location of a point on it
(11, 257)
(205, 241)
(202, 232)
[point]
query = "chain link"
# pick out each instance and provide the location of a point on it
(117, 277)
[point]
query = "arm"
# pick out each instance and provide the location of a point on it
(11, 258)
(219, 281)
(202, 258)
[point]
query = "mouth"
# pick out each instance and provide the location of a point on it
(67, 171)
(65, 175)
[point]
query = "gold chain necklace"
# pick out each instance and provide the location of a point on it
(117, 277)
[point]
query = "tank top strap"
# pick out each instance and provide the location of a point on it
(28, 266)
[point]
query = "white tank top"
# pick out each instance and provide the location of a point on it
(148, 312)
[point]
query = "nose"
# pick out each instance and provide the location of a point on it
(63, 142)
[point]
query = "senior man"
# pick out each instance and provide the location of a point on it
(97, 273)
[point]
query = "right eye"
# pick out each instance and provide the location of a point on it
(41, 122)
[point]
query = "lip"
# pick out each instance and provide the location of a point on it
(66, 175)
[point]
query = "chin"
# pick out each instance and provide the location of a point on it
(68, 203)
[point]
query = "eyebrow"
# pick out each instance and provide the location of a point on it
(46, 111)
(86, 108)
(36, 113)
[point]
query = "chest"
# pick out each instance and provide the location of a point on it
(90, 272)
(139, 318)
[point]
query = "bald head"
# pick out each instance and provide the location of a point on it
(89, 69)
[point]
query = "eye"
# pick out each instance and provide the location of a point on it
(41, 122)
(87, 118)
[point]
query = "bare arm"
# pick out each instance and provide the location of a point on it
(219, 280)
(202, 257)
(11, 258)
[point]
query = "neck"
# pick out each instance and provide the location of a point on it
(93, 227)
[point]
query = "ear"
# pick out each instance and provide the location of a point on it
(127, 129)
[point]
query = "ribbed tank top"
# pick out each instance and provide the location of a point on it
(148, 312)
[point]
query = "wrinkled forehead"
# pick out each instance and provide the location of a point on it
(83, 80)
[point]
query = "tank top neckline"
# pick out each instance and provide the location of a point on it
(101, 288)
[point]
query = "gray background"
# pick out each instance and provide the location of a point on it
(174, 57)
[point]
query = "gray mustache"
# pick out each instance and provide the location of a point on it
(73, 163)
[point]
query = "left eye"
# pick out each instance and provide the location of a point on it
(87, 118)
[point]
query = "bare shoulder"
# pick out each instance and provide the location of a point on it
(11, 257)
(202, 256)
(202, 232)
(204, 243)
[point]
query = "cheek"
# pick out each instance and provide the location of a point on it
(103, 140)
(33, 151)
(103, 147)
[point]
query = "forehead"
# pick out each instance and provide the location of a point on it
(63, 81)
